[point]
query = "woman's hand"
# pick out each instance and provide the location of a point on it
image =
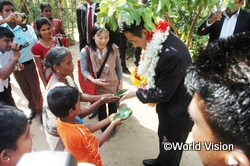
(120, 85)
(101, 82)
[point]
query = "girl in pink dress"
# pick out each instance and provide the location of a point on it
(40, 49)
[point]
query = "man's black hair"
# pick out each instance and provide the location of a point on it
(221, 77)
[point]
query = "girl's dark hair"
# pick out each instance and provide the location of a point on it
(42, 21)
(55, 56)
(13, 124)
(97, 29)
(43, 5)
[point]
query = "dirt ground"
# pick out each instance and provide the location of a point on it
(134, 141)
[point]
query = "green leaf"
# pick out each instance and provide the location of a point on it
(121, 92)
(124, 113)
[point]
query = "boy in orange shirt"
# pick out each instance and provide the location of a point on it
(64, 102)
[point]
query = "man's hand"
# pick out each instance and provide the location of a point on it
(129, 94)
(20, 22)
(10, 18)
(216, 17)
(16, 52)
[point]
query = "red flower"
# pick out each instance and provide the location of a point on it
(136, 75)
(162, 26)
(149, 36)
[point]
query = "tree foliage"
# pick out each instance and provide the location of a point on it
(62, 9)
(183, 15)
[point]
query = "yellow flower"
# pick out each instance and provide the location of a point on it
(139, 81)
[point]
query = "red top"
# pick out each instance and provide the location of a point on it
(40, 51)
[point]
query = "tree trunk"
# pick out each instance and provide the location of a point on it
(60, 9)
(172, 24)
(26, 6)
(190, 32)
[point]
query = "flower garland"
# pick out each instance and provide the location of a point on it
(144, 75)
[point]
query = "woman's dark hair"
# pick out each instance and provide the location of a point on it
(55, 56)
(43, 5)
(42, 21)
(97, 29)
(61, 99)
(13, 124)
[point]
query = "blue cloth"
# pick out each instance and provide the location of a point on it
(79, 120)
(22, 37)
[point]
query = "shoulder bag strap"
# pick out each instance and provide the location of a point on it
(104, 62)
(89, 62)
(59, 41)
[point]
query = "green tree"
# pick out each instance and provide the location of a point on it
(62, 9)
(183, 15)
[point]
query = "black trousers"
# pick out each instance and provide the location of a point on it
(102, 112)
(170, 157)
(6, 96)
(172, 131)
(121, 41)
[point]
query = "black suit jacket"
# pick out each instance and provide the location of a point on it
(81, 16)
(242, 24)
(170, 93)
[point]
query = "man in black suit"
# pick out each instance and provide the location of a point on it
(82, 20)
(169, 94)
(224, 24)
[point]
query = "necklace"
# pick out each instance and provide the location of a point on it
(47, 44)
(65, 81)
(144, 75)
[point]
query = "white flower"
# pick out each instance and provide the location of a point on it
(147, 65)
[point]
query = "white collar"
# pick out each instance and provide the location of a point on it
(92, 6)
(236, 14)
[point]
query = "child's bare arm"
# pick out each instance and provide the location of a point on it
(104, 99)
(109, 120)
(104, 136)
(98, 125)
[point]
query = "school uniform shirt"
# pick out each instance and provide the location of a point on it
(5, 58)
(22, 37)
